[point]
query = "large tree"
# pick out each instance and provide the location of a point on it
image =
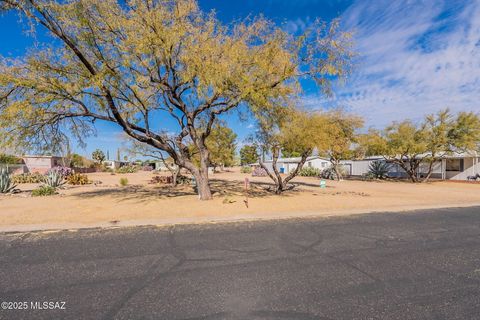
(143, 64)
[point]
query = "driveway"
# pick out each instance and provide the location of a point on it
(419, 265)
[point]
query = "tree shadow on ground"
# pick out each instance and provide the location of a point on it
(220, 189)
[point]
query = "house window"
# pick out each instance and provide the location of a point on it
(309, 164)
(324, 164)
(454, 165)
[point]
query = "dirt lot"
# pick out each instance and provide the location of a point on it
(142, 203)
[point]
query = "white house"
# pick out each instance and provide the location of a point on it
(447, 166)
(287, 165)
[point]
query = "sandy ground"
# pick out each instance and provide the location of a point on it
(108, 204)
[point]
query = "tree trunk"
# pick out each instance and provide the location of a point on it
(203, 186)
(175, 173)
(429, 173)
(201, 177)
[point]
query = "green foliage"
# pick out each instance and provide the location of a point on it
(246, 169)
(44, 190)
(310, 172)
(248, 155)
(127, 169)
(123, 182)
(379, 169)
(221, 144)
(287, 153)
(98, 156)
(9, 159)
(6, 183)
(54, 179)
(77, 161)
(78, 179)
(28, 178)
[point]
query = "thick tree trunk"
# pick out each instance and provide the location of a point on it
(201, 178)
(203, 185)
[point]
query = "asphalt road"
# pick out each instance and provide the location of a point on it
(422, 265)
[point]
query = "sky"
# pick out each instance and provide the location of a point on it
(414, 57)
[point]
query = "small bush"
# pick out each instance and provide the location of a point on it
(161, 179)
(43, 191)
(147, 168)
(329, 173)
(28, 178)
(78, 179)
(127, 169)
(310, 172)
(123, 182)
(246, 169)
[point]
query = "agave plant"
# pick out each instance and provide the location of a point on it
(379, 169)
(6, 184)
(54, 179)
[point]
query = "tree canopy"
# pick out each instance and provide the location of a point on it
(248, 154)
(143, 63)
(291, 129)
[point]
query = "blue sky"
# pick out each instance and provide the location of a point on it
(415, 57)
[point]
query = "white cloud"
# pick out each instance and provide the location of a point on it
(416, 57)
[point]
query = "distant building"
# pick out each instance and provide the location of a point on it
(287, 165)
(41, 164)
(447, 166)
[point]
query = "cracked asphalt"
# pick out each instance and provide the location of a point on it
(419, 265)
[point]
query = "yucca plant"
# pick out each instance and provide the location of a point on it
(6, 183)
(379, 169)
(54, 179)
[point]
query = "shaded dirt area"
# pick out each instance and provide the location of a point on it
(107, 202)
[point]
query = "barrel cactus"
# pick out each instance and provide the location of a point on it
(6, 183)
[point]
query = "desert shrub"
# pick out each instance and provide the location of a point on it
(161, 179)
(43, 191)
(329, 173)
(54, 179)
(6, 183)
(123, 182)
(127, 169)
(246, 169)
(78, 179)
(64, 171)
(147, 168)
(310, 172)
(259, 172)
(28, 178)
(379, 169)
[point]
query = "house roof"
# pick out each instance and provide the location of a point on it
(39, 156)
(294, 160)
